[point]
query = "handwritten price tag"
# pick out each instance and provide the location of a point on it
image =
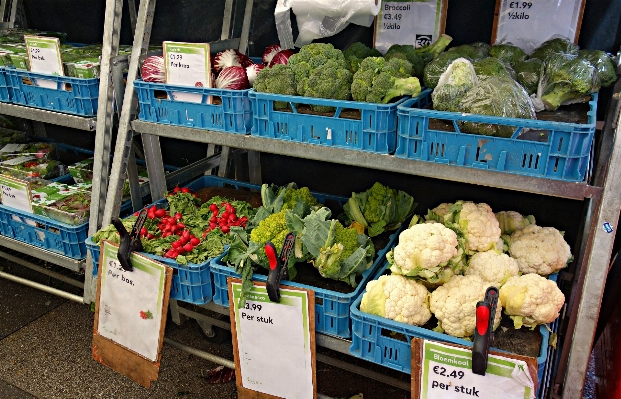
(527, 24)
(44, 57)
(187, 64)
(15, 193)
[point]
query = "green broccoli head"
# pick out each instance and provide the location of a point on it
(398, 68)
(567, 77)
(403, 87)
(469, 52)
(379, 81)
(314, 55)
(507, 52)
(558, 45)
(446, 97)
(362, 84)
(329, 80)
(603, 64)
(436, 68)
(357, 52)
(280, 79)
(409, 53)
(528, 72)
(490, 67)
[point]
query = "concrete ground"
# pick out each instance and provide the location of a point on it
(45, 352)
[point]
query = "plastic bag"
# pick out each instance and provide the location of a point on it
(555, 45)
(603, 64)
(528, 72)
(321, 18)
(491, 66)
(496, 96)
(453, 84)
(471, 52)
(566, 79)
(507, 52)
(436, 68)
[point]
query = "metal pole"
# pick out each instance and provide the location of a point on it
(41, 270)
(199, 353)
(42, 287)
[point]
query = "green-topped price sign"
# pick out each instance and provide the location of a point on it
(15, 193)
(44, 57)
(187, 64)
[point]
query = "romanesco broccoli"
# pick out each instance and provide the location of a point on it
(270, 228)
(292, 195)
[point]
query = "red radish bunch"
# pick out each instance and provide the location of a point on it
(184, 244)
(183, 190)
(282, 57)
(233, 78)
(252, 71)
(153, 69)
(269, 53)
(226, 220)
(225, 59)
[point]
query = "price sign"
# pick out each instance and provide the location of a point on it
(445, 371)
(527, 24)
(15, 193)
(44, 57)
(187, 64)
(274, 342)
(130, 314)
(409, 22)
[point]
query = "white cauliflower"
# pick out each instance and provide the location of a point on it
(398, 298)
(540, 250)
(427, 250)
(531, 299)
(511, 221)
(493, 267)
(476, 222)
(454, 305)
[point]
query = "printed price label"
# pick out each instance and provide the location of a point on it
(447, 374)
(527, 24)
(15, 193)
(409, 22)
(44, 57)
(187, 64)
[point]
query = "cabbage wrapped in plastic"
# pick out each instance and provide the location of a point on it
(507, 52)
(527, 72)
(436, 68)
(454, 83)
(603, 64)
(566, 79)
(557, 45)
(496, 96)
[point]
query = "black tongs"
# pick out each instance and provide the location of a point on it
(483, 332)
(279, 269)
(129, 241)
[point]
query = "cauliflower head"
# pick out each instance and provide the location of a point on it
(398, 298)
(492, 267)
(454, 305)
(511, 221)
(531, 299)
(423, 250)
(541, 250)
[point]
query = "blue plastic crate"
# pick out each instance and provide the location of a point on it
(233, 114)
(374, 131)
(45, 233)
(71, 95)
(331, 308)
(5, 89)
(554, 150)
(372, 338)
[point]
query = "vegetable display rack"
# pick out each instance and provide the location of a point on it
(370, 127)
(375, 338)
(554, 150)
(76, 96)
(5, 90)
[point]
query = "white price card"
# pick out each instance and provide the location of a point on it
(187, 64)
(44, 57)
(274, 342)
(529, 23)
(417, 22)
(131, 302)
(15, 193)
(447, 374)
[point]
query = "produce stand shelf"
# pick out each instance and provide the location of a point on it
(536, 185)
(48, 256)
(42, 115)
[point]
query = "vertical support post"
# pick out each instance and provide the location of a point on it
(134, 184)
(110, 48)
(226, 21)
(155, 165)
(125, 136)
(254, 167)
(132, 14)
(245, 33)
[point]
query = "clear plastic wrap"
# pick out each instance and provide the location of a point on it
(471, 52)
(566, 79)
(436, 68)
(491, 66)
(527, 72)
(556, 45)
(454, 83)
(496, 96)
(507, 52)
(603, 64)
